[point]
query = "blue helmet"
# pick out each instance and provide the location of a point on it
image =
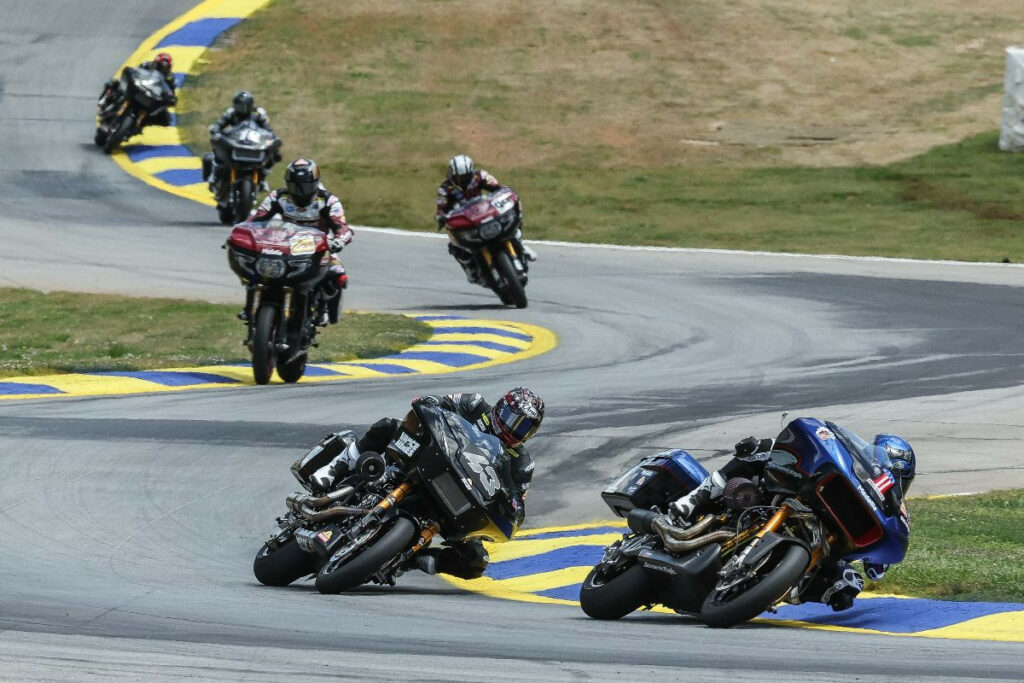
(901, 456)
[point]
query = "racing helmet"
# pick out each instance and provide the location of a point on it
(302, 179)
(461, 170)
(243, 103)
(903, 462)
(164, 63)
(516, 416)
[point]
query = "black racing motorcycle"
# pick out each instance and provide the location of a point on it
(143, 95)
(438, 475)
(249, 149)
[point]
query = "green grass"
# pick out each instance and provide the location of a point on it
(963, 548)
(584, 109)
(67, 332)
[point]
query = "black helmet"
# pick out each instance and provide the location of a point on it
(461, 170)
(516, 416)
(243, 103)
(302, 178)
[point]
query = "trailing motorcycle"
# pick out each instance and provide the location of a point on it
(826, 494)
(143, 94)
(284, 268)
(439, 475)
(485, 235)
(249, 149)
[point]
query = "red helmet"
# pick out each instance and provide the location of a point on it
(164, 62)
(516, 416)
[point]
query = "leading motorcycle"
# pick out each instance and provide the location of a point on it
(249, 149)
(485, 234)
(284, 268)
(826, 494)
(438, 475)
(143, 94)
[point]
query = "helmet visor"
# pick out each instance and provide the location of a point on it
(515, 428)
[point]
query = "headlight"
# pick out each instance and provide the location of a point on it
(243, 261)
(300, 267)
(490, 229)
(270, 268)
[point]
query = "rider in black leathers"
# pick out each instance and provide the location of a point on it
(111, 95)
(513, 418)
(243, 108)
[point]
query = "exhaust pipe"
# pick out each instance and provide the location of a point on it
(678, 540)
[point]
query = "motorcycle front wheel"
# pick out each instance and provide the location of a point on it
(263, 355)
(337, 576)
(243, 199)
(615, 597)
(722, 609)
(119, 134)
(513, 287)
(281, 565)
(292, 372)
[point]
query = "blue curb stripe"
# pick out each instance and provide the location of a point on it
(198, 33)
(386, 369)
(13, 388)
(501, 332)
(577, 532)
(494, 346)
(319, 371)
(179, 78)
(455, 360)
(573, 556)
(173, 118)
(181, 176)
(564, 593)
(173, 379)
(437, 317)
(141, 152)
(895, 615)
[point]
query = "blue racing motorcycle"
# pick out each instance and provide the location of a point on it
(825, 495)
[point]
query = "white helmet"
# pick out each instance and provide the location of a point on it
(460, 170)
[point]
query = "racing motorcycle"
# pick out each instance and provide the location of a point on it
(284, 268)
(249, 148)
(825, 494)
(488, 230)
(438, 475)
(143, 94)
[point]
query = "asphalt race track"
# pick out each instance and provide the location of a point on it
(128, 524)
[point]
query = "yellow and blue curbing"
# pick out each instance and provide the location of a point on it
(157, 156)
(547, 565)
(456, 344)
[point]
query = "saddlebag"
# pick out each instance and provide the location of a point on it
(654, 481)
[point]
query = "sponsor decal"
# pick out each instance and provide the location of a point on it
(406, 444)
(325, 536)
(273, 252)
(824, 433)
(659, 568)
(867, 498)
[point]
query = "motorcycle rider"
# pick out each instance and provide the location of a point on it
(305, 201)
(243, 108)
(111, 95)
(514, 419)
(465, 182)
(836, 585)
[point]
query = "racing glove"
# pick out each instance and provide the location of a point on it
(335, 244)
(440, 222)
(875, 572)
(840, 594)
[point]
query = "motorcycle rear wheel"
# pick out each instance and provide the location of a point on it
(616, 597)
(281, 565)
(513, 287)
(368, 561)
(264, 357)
(723, 611)
(119, 134)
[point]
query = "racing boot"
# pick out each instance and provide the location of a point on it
(684, 510)
(463, 559)
(338, 468)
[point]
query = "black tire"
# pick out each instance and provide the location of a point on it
(264, 357)
(513, 287)
(226, 215)
(100, 137)
(119, 134)
(243, 199)
(283, 564)
(616, 597)
(292, 372)
(742, 607)
(355, 572)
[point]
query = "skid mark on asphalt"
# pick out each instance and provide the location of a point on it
(455, 344)
(157, 156)
(548, 565)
